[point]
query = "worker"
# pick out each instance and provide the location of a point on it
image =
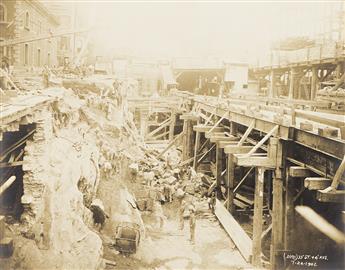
(183, 205)
(212, 201)
(158, 213)
(192, 223)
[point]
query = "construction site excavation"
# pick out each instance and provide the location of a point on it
(172, 135)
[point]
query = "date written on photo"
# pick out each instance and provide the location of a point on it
(305, 260)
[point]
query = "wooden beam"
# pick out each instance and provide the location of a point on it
(258, 210)
(207, 128)
(161, 126)
(172, 125)
(321, 224)
(218, 122)
(170, 144)
(216, 138)
(297, 171)
(334, 196)
(277, 243)
(235, 231)
(231, 183)
(243, 179)
(246, 134)
(189, 116)
(219, 168)
(7, 184)
(263, 140)
(223, 144)
(204, 155)
(11, 164)
(196, 146)
(235, 149)
(210, 117)
(316, 183)
(257, 161)
(338, 174)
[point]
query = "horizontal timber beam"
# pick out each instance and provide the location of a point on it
(234, 149)
(257, 161)
(316, 183)
(334, 196)
(297, 171)
(202, 128)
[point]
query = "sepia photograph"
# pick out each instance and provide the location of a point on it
(172, 135)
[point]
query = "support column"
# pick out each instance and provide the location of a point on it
(314, 79)
(188, 139)
(219, 168)
(233, 128)
(172, 126)
(289, 212)
(185, 140)
(196, 147)
(292, 79)
(271, 90)
(231, 183)
(277, 211)
(258, 210)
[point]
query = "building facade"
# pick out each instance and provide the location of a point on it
(27, 34)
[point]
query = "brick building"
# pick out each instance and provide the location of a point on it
(26, 27)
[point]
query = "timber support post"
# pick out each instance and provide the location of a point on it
(258, 211)
(277, 147)
(231, 183)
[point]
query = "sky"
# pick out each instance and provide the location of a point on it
(239, 30)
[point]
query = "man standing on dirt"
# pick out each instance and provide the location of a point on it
(192, 223)
(182, 209)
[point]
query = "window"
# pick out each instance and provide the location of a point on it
(26, 54)
(3, 13)
(27, 20)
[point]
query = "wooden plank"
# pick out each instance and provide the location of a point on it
(196, 147)
(258, 220)
(7, 184)
(201, 128)
(245, 135)
(172, 125)
(263, 140)
(205, 154)
(244, 199)
(321, 224)
(235, 231)
(338, 174)
(216, 138)
(234, 149)
(335, 196)
(11, 164)
(218, 122)
(231, 183)
(170, 144)
(297, 171)
(244, 161)
(223, 144)
(316, 183)
(189, 116)
(162, 125)
(219, 168)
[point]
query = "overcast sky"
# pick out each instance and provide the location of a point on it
(237, 29)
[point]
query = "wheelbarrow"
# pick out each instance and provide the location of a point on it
(127, 237)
